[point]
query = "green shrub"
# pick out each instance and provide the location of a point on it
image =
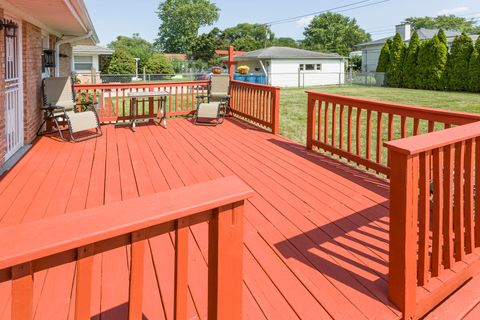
(384, 58)
(410, 65)
(158, 64)
(394, 69)
(431, 61)
(474, 68)
(121, 63)
(458, 63)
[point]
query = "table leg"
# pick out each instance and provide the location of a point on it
(164, 111)
(133, 108)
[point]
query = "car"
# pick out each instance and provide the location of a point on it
(202, 77)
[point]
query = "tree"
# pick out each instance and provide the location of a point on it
(410, 66)
(447, 22)
(135, 46)
(203, 47)
(395, 65)
(285, 42)
(384, 58)
(122, 62)
(356, 62)
(442, 37)
(474, 68)
(333, 32)
(248, 36)
(181, 20)
(158, 64)
(431, 61)
(458, 63)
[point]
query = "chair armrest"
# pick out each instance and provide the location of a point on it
(52, 107)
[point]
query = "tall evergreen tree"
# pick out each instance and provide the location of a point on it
(394, 70)
(384, 58)
(442, 37)
(410, 66)
(474, 68)
(431, 61)
(458, 64)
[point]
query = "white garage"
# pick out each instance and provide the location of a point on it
(290, 67)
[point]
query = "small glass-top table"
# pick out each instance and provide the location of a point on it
(162, 108)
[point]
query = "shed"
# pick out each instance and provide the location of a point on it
(292, 67)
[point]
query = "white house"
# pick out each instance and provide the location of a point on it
(371, 50)
(290, 67)
(86, 62)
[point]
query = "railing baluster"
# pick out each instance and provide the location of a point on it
(326, 120)
(225, 261)
(341, 120)
(137, 250)
(403, 126)
(311, 113)
(458, 212)
(431, 126)
(84, 282)
(334, 124)
(320, 120)
(22, 292)
(448, 207)
(358, 135)
(369, 135)
(477, 192)
(469, 215)
(437, 219)
(349, 129)
(379, 137)
(416, 126)
(181, 270)
(423, 263)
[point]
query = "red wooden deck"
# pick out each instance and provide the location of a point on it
(316, 231)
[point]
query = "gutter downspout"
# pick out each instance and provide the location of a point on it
(59, 43)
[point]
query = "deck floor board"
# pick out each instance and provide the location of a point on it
(316, 230)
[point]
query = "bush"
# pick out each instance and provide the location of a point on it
(158, 64)
(384, 58)
(431, 61)
(458, 63)
(474, 68)
(121, 63)
(410, 66)
(395, 65)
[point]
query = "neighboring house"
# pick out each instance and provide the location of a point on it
(291, 67)
(86, 62)
(39, 36)
(371, 50)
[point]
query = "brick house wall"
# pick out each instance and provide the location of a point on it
(32, 77)
(3, 138)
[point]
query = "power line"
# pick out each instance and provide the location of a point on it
(293, 19)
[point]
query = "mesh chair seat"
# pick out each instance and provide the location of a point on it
(81, 121)
(208, 110)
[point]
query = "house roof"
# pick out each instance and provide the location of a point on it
(285, 53)
(423, 34)
(178, 56)
(85, 49)
(65, 19)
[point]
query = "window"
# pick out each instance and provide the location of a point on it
(83, 63)
(45, 46)
(310, 67)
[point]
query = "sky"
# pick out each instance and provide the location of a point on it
(125, 17)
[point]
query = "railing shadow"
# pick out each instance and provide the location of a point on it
(118, 312)
(351, 251)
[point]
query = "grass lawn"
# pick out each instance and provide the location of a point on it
(293, 103)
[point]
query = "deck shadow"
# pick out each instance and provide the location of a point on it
(118, 312)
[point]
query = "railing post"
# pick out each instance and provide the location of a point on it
(84, 282)
(22, 292)
(225, 263)
(403, 232)
(276, 111)
(310, 120)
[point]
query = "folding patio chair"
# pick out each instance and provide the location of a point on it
(211, 108)
(59, 106)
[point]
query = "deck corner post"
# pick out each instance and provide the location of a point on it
(137, 253)
(276, 111)
(225, 262)
(402, 283)
(312, 103)
(83, 276)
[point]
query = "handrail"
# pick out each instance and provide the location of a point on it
(139, 84)
(29, 248)
(356, 129)
(256, 103)
(434, 216)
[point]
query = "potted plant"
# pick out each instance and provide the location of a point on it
(243, 69)
(217, 70)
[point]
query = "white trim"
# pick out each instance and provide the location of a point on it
(18, 20)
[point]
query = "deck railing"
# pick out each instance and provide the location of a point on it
(257, 103)
(432, 158)
(356, 129)
(29, 248)
(113, 102)
(434, 216)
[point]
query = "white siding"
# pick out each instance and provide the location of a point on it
(370, 57)
(285, 73)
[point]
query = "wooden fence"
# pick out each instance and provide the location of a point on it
(29, 248)
(257, 103)
(433, 162)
